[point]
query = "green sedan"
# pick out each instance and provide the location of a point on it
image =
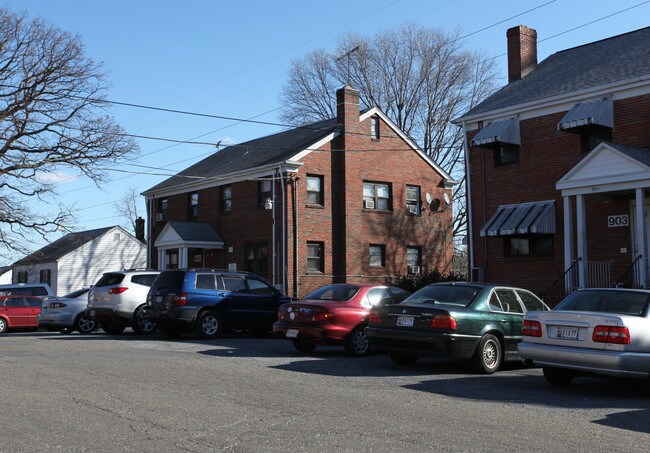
(471, 321)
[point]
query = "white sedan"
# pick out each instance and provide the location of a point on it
(592, 331)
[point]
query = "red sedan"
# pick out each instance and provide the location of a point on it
(334, 314)
(18, 311)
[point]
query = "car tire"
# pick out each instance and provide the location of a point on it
(208, 325)
(113, 327)
(141, 325)
(3, 326)
(304, 344)
(356, 343)
(558, 377)
(404, 359)
(488, 355)
(84, 325)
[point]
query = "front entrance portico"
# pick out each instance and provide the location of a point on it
(184, 244)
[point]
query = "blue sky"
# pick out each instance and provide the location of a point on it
(231, 59)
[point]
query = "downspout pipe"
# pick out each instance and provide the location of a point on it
(468, 197)
(284, 229)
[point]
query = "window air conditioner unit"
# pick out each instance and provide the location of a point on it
(413, 209)
(413, 269)
(161, 217)
(369, 204)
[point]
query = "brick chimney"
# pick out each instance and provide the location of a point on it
(139, 229)
(522, 52)
(347, 112)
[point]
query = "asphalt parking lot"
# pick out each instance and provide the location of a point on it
(131, 393)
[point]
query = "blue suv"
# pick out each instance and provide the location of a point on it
(209, 302)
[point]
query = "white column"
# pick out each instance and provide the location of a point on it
(161, 259)
(581, 237)
(568, 240)
(641, 239)
(182, 258)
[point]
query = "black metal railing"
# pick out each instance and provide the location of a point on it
(563, 286)
(630, 277)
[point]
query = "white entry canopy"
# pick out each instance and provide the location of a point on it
(522, 218)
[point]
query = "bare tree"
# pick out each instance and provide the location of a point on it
(128, 208)
(51, 120)
(420, 78)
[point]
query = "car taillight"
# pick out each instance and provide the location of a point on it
(374, 318)
(279, 315)
(118, 290)
(611, 334)
(443, 322)
(180, 299)
(531, 328)
(58, 305)
(322, 316)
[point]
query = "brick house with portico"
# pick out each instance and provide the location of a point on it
(350, 199)
(558, 167)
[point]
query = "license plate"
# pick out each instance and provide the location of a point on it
(405, 321)
(568, 333)
(292, 333)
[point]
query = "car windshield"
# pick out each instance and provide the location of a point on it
(76, 293)
(341, 293)
(461, 296)
(169, 280)
(110, 279)
(633, 303)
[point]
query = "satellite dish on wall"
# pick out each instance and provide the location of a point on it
(428, 198)
(447, 199)
(435, 204)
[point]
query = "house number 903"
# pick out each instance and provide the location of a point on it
(617, 221)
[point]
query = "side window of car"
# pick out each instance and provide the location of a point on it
(376, 297)
(509, 301)
(531, 302)
(15, 302)
(144, 279)
(205, 281)
(34, 302)
(236, 284)
(259, 287)
(495, 304)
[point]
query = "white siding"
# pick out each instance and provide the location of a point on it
(6, 278)
(606, 164)
(84, 266)
(34, 273)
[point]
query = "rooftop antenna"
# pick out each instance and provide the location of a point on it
(347, 55)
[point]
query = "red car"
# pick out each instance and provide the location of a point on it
(18, 311)
(334, 314)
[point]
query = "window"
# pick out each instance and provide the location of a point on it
(413, 200)
(315, 190)
(46, 276)
(34, 302)
(592, 136)
(376, 196)
(162, 205)
(21, 277)
(205, 281)
(226, 198)
(509, 301)
(505, 154)
(194, 205)
(259, 287)
(376, 297)
(413, 259)
(377, 255)
(315, 257)
(528, 245)
(264, 190)
(531, 302)
(257, 259)
(374, 128)
(236, 284)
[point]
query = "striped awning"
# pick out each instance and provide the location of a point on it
(502, 131)
(523, 218)
(599, 112)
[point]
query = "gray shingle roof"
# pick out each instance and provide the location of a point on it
(262, 151)
(640, 154)
(611, 60)
(63, 246)
(201, 232)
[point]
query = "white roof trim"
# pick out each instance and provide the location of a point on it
(315, 146)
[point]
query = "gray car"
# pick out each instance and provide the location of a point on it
(592, 331)
(66, 314)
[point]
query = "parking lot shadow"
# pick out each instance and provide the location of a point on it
(630, 420)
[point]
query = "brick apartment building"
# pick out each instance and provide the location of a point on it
(558, 167)
(350, 199)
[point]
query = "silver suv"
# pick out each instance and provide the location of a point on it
(117, 299)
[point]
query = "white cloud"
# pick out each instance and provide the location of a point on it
(56, 178)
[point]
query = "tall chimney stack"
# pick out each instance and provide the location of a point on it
(522, 52)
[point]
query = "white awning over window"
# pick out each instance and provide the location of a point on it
(523, 218)
(599, 112)
(502, 131)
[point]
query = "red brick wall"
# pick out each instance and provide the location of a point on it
(545, 155)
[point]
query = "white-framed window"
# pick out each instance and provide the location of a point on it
(376, 196)
(413, 200)
(194, 205)
(315, 257)
(315, 190)
(265, 191)
(377, 254)
(226, 199)
(374, 127)
(45, 276)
